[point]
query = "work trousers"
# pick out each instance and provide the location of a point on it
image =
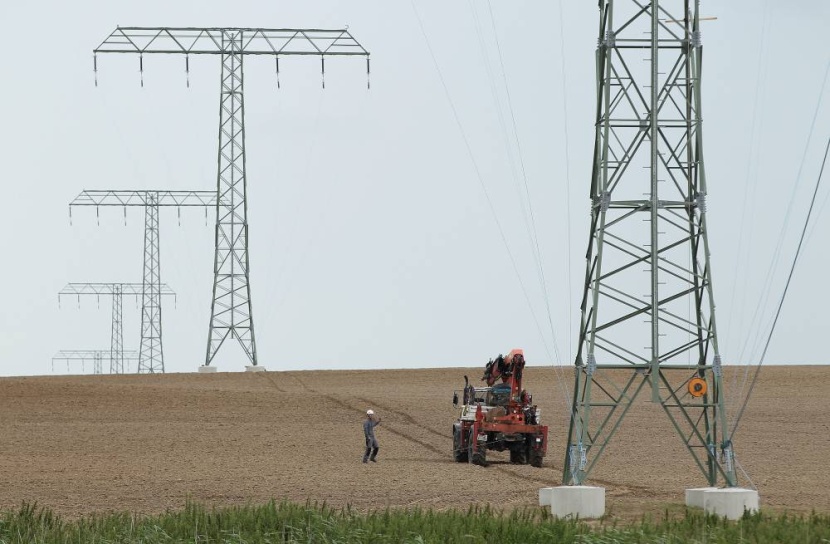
(371, 450)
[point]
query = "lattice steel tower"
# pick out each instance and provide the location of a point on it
(648, 311)
(117, 292)
(231, 313)
(151, 358)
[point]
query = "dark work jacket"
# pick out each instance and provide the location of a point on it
(369, 433)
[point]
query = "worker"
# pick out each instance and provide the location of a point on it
(369, 433)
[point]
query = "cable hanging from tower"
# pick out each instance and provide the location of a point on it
(789, 276)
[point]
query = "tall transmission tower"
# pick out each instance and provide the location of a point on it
(117, 292)
(231, 314)
(151, 359)
(97, 356)
(648, 313)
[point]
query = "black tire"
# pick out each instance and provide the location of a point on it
(459, 454)
(517, 456)
(475, 455)
(533, 457)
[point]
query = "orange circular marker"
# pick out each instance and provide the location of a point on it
(697, 387)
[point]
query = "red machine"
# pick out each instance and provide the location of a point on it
(499, 417)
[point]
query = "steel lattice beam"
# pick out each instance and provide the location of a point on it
(178, 199)
(647, 305)
(108, 289)
(151, 360)
(213, 41)
(152, 354)
(231, 313)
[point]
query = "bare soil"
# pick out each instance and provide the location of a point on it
(83, 444)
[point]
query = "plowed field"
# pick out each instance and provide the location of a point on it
(147, 443)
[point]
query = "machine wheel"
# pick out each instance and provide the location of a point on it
(517, 456)
(459, 454)
(475, 455)
(535, 459)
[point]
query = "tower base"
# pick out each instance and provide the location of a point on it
(205, 369)
(730, 502)
(572, 501)
(254, 368)
(694, 496)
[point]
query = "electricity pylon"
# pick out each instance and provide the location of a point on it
(648, 311)
(151, 359)
(97, 356)
(117, 292)
(231, 313)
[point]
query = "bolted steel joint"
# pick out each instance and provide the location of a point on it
(717, 367)
(572, 459)
(700, 202)
(696, 38)
(592, 364)
(728, 458)
(604, 201)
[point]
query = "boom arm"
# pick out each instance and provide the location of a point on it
(509, 369)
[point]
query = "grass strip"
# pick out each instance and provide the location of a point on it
(286, 522)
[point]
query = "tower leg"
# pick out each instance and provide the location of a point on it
(117, 337)
(151, 356)
(231, 306)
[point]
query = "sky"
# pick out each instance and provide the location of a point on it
(389, 227)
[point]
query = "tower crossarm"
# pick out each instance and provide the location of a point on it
(99, 289)
(254, 41)
(90, 354)
(177, 199)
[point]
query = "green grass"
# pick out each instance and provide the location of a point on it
(310, 523)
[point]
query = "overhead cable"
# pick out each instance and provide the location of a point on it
(786, 288)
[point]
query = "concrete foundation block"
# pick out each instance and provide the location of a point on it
(730, 502)
(570, 501)
(694, 496)
(204, 369)
(544, 496)
(254, 368)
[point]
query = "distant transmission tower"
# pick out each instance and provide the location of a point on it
(97, 356)
(151, 359)
(231, 306)
(648, 311)
(117, 292)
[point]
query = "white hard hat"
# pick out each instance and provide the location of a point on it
(370, 412)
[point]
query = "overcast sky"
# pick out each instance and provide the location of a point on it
(372, 241)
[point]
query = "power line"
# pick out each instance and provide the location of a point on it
(786, 289)
(767, 286)
(478, 172)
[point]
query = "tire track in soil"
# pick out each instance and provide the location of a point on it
(271, 378)
(406, 417)
(343, 404)
(411, 420)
